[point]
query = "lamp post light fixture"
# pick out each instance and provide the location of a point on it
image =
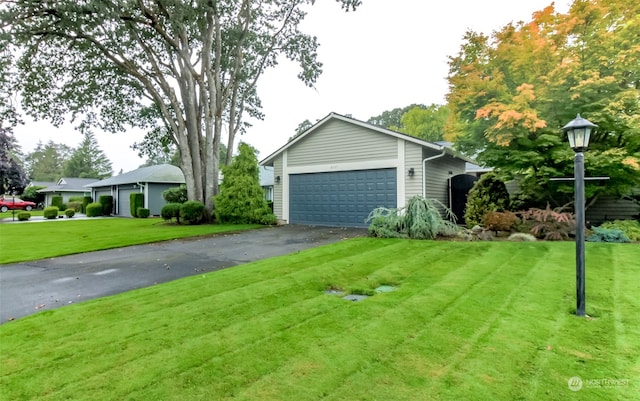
(578, 132)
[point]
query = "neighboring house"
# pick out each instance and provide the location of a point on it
(152, 181)
(41, 184)
(607, 208)
(266, 181)
(67, 188)
(340, 169)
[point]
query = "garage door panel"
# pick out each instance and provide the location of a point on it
(340, 198)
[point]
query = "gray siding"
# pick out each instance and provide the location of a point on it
(437, 176)
(340, 142)
(609, 208)
(154, 200)
(412, 159)
(278, 188)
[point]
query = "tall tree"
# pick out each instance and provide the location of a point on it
(186, 67)
(426, 123)
(392, 119)
(512, 92)
(13, 180)
(88, 160)
(46, 162)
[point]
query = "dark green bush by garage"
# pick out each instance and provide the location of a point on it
(85, 201)
(56, 200)
(142, 213)
(107, 204)
(170, 211)
(192, 212)
(50, 212)
(94, 209)
(136, 201)
(24, 216)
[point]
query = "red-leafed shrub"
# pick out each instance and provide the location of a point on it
(549, 224)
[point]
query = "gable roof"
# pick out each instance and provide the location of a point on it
(162, 173)
(335, 116)
(69, 184)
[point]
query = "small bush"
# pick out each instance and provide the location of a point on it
(107, 204)
(631, 228)
(85, 201)
(56, 200)
(549, 224)
(176, 194)
(50, 212)
(170, 211)
(75, 205)
(142, 213)
(499, 221)
(24, 216)
(136, 201)
(192, 212)
(489, 194)
(69, 213)
(521, 237)
(94, 209)
(601, 234)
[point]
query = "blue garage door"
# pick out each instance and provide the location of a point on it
(342, 199)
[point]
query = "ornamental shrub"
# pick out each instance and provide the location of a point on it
(171, 210)
(69, 213)
(136, 201)
(142, 213)
(56, 200)
(24, 216)
(107, 204)
(85, 201)
(549, 224)
(176, 194)
(51, 212)
(192, 212)
(631, 228)
(489, 194)
(94, 209)
(75, 205)
(601, 234)
(499, 221)
(241, 199)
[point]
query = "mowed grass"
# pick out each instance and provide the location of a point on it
(468, 321)
(37, 240)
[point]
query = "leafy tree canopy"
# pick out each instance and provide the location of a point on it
(391, 119)
(46, 162)
(511, 92)
(88, 160)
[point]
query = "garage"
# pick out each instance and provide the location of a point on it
(124, 201)
(343, 198)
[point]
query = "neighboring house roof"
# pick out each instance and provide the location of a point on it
(334, 116)
(67, 184)
(266, 176)
(162, 173)
(41, 184)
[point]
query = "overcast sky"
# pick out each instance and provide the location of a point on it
(387, 54)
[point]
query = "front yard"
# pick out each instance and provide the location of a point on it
(37, 240)
(467, 321)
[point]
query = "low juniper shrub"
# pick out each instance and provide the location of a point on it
(601, 234)
(50, 212)
(142, 213)
(70, 213)
(192, 212)
(170, 211)
(24, 216)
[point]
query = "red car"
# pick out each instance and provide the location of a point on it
(15, 203)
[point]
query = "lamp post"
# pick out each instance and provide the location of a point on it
(578, 131)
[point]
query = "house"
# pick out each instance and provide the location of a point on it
(340, 169)
(67, 188)
(266, 181)
(152, 181)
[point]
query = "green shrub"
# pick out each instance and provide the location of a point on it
(136, 201)
(76, 199)
(56, 200)
(107, 204)
(50, 212)
(601, 234)
(94, 209)
(489, 194)
(176, 194)
(192, 212)
(549, 224)
(499, 221)
(24, 216)
(631, 228)
(420, 219)
(70, 213)
(31, 194)
(85, 201)
(170, 211)
(75, 205)
(142, 213)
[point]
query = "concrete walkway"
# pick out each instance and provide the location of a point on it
(29, 287)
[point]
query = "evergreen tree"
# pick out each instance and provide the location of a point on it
(46, 162)
(12, 176)
(88, 160)
(241, 199)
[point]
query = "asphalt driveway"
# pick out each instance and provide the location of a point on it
(29, 287)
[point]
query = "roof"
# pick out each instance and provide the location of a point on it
(268, 161)
(69, 184)
(162, 173)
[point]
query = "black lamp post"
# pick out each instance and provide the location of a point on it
(578, 131)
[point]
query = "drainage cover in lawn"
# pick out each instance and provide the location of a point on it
(355, 297)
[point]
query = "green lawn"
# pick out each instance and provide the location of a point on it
(37, 240)
(468, 321)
